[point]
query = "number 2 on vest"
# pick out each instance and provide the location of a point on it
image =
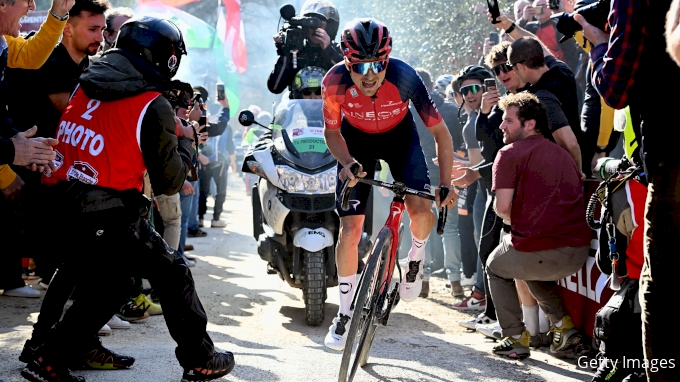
(91, 106)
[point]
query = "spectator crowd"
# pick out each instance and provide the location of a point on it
(542, 115)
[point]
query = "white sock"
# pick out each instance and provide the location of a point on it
(517, 336)
(543, 322)
(417, 252)
(558, 324)
(531, 318)
(346, 286)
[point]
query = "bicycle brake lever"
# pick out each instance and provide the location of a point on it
(344, 193)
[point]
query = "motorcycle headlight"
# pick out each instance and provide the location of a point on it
(295, 181)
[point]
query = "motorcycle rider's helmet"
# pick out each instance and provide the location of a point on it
(441, 83)
(326, 11)
(309, 77)
(157, 41)
(366, 39)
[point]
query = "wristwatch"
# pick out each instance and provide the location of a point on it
(60, 18)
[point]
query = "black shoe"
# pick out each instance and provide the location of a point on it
(131, 312)
(37, 371)
(101, 358)
(220, 365)
(196, 233)
(28, 352)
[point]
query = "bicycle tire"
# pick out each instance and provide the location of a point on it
(366, 293)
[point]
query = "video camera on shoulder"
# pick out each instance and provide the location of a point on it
(294, 31)
(179, 94)
(595, 12)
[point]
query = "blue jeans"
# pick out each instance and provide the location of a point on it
(451, 241)
(478, 218)
(189, 205)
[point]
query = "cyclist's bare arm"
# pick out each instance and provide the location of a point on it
(338, 148)
(442, 137)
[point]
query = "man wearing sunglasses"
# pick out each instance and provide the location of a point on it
(367, 118)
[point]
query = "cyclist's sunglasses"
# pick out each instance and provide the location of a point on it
(505, 68)
(363, 67)
(474, 88)
(308, 92)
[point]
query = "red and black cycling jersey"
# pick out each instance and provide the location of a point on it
(382, 112)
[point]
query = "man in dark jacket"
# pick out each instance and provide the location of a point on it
(319, 50)
(118, 108)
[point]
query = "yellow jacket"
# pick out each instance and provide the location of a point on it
(30, 53)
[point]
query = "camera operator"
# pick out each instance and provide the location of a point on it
(319, 48)
(628, 63)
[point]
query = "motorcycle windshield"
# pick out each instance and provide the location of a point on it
(302, 122)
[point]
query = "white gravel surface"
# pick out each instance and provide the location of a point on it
(259, 318)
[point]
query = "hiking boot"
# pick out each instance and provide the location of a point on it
(131, 312)
(337, 332)
(472, 323)
(38, 370)
(412, 284)
(565, 336)
(28, 352)
(425, 289)
(101, 358)
(147, 305)
(476, 301)
(457, 289)
(512, 348)
(221, 364)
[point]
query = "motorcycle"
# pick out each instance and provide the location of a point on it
(294, 218)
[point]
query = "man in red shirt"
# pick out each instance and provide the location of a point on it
(539, 191)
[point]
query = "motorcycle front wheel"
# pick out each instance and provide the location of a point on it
(314, 287)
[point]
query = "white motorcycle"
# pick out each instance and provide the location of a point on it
(294, 218)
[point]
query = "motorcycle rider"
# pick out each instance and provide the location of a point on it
(320, 50)
(118, 108)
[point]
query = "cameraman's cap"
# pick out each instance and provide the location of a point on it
(203, 91)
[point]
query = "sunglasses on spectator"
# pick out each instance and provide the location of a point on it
(308, 92)
(474, 88)
(501, 68)
(363, 67)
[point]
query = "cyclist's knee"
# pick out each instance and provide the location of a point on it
(419, 210)
(351, 229)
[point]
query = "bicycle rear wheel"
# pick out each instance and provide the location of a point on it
(363, 323)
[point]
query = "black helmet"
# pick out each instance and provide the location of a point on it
(366, 39)
(470, 72)
(326, 11)
(157, 41)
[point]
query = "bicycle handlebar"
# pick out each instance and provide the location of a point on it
(397, 188)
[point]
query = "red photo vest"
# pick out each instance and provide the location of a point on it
(99, 142)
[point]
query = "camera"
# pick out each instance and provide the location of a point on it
(294, 31)
(179, 94)
(595, 12)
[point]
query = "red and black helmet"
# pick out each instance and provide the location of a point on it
(366, 39)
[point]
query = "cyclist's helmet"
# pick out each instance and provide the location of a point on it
(441, 83)
(309, 77)
(326, 11)
(157, 41)
(366, 39)
(264, 118)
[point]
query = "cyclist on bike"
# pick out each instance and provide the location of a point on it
(367, 118)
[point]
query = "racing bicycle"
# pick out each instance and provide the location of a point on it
(376, 296)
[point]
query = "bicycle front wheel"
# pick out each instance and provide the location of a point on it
(363, 323)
